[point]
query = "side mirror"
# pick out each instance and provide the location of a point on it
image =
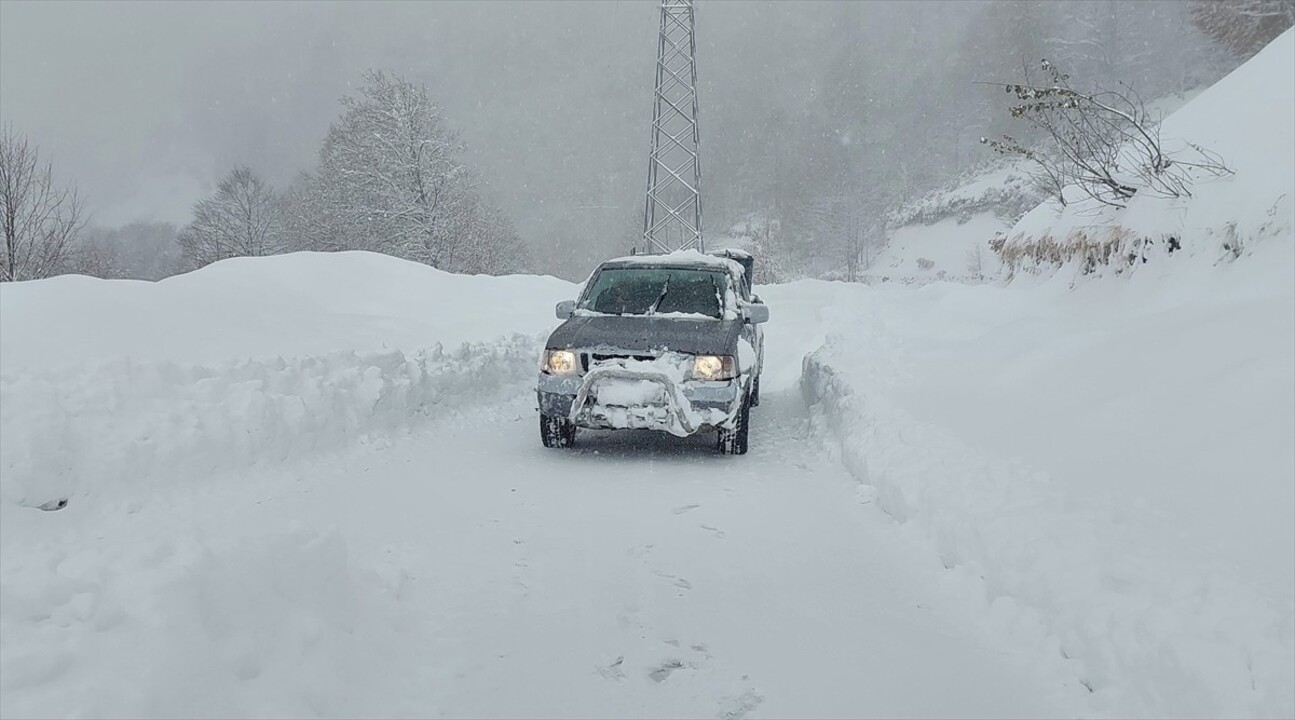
(755, 313)
(566, 309)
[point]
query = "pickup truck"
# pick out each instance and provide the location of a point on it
(661, 342)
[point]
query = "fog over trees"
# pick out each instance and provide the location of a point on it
(816, 117)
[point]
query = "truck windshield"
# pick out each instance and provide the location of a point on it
(657, 291)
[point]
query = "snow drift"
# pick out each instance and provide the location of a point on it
(122, 423)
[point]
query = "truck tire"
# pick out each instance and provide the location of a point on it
(734, 441)
(755, 392)
(556, 432)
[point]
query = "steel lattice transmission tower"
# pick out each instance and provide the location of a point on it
(672, 214)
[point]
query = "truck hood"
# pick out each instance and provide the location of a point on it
(647, 334)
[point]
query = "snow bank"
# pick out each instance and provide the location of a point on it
(140, 401)
(296, 305)
(81, 430)
(1107, 470)
(253, 360)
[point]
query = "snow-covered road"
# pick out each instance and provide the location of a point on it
(638, 575)
(646, 576)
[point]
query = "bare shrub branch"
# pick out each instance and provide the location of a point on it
(1103, 142)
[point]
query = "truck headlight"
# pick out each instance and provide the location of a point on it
(559, 362)
(714, 367)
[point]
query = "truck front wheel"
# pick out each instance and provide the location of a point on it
(734, 441)
(556, 432)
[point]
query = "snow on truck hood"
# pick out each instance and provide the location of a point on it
(646, 333)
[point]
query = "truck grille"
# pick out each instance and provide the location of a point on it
(587, 359)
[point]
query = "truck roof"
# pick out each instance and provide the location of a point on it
(678, 259)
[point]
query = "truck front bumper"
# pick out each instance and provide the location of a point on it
(680, 408)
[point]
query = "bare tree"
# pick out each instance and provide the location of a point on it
(496, 248)
(1104, 142)
(142, 250)
(40, 219)
(95, 253)
(240, 219)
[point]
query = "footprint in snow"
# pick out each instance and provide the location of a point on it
(737, 708)
(664, 669)
(613, 671)
(719, 534)
(678, 581)
(685, 508)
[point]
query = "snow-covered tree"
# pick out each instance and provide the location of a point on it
(40, 219)
(390, 181)
(388, 176)
(239, 219)
(308, 221)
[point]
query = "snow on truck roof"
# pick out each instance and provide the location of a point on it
(679, 258)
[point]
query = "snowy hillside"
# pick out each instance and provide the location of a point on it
(1246, 119)
(946, 235)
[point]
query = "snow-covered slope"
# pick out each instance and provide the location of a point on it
(1248, 120)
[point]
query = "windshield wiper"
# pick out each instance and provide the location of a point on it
(664, 289)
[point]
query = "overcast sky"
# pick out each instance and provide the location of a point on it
(145, 105)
